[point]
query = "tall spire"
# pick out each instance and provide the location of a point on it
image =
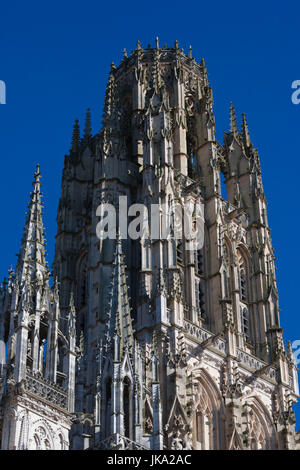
(75, 137)
(87, 133)
(32, 255)
(233, 123)
(245, 131)
(110, 101)
(119, 322)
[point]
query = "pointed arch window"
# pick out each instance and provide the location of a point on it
(200, 296)
(179, 252)
(258, 434)
(243, 285)
(245, 322)
(173, 252)
(37, 444)
(274, 320)
(126, 407)
(226, 284)
(207, 431)
(107, 407)
(204, 424)
(199, 262)
(47, 445)
(199, 427)
(202, 299)
(243, 278)
(226, 273)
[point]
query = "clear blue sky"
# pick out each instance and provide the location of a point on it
(55, 58)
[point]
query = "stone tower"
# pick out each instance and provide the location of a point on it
(177, 348)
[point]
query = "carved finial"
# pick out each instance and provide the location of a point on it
(118, 236)
(11, 272)
(10, 277)
(191, 52)
(204, 71)
(245, 131)
(176, 44)
(233, 123)
(119, 330)
(112, 67)
(87, 128)
(156, 72)
(290, 352)
(125, 54)
(33, 233)
(76, 137)
(109, 101)
(138, 45)
(157, 43)
(37, 174)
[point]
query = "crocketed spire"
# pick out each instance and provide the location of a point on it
(87, 133)
(75, 137)
(233, 122)
(245, 132)
(119, 322)
(32, 255)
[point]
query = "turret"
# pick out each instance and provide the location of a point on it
(32, 308)
(242, 171)
(118, 374)
(32, 275)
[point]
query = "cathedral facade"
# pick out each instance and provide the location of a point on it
(143, 343)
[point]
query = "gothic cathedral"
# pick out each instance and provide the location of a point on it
(141, 343)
